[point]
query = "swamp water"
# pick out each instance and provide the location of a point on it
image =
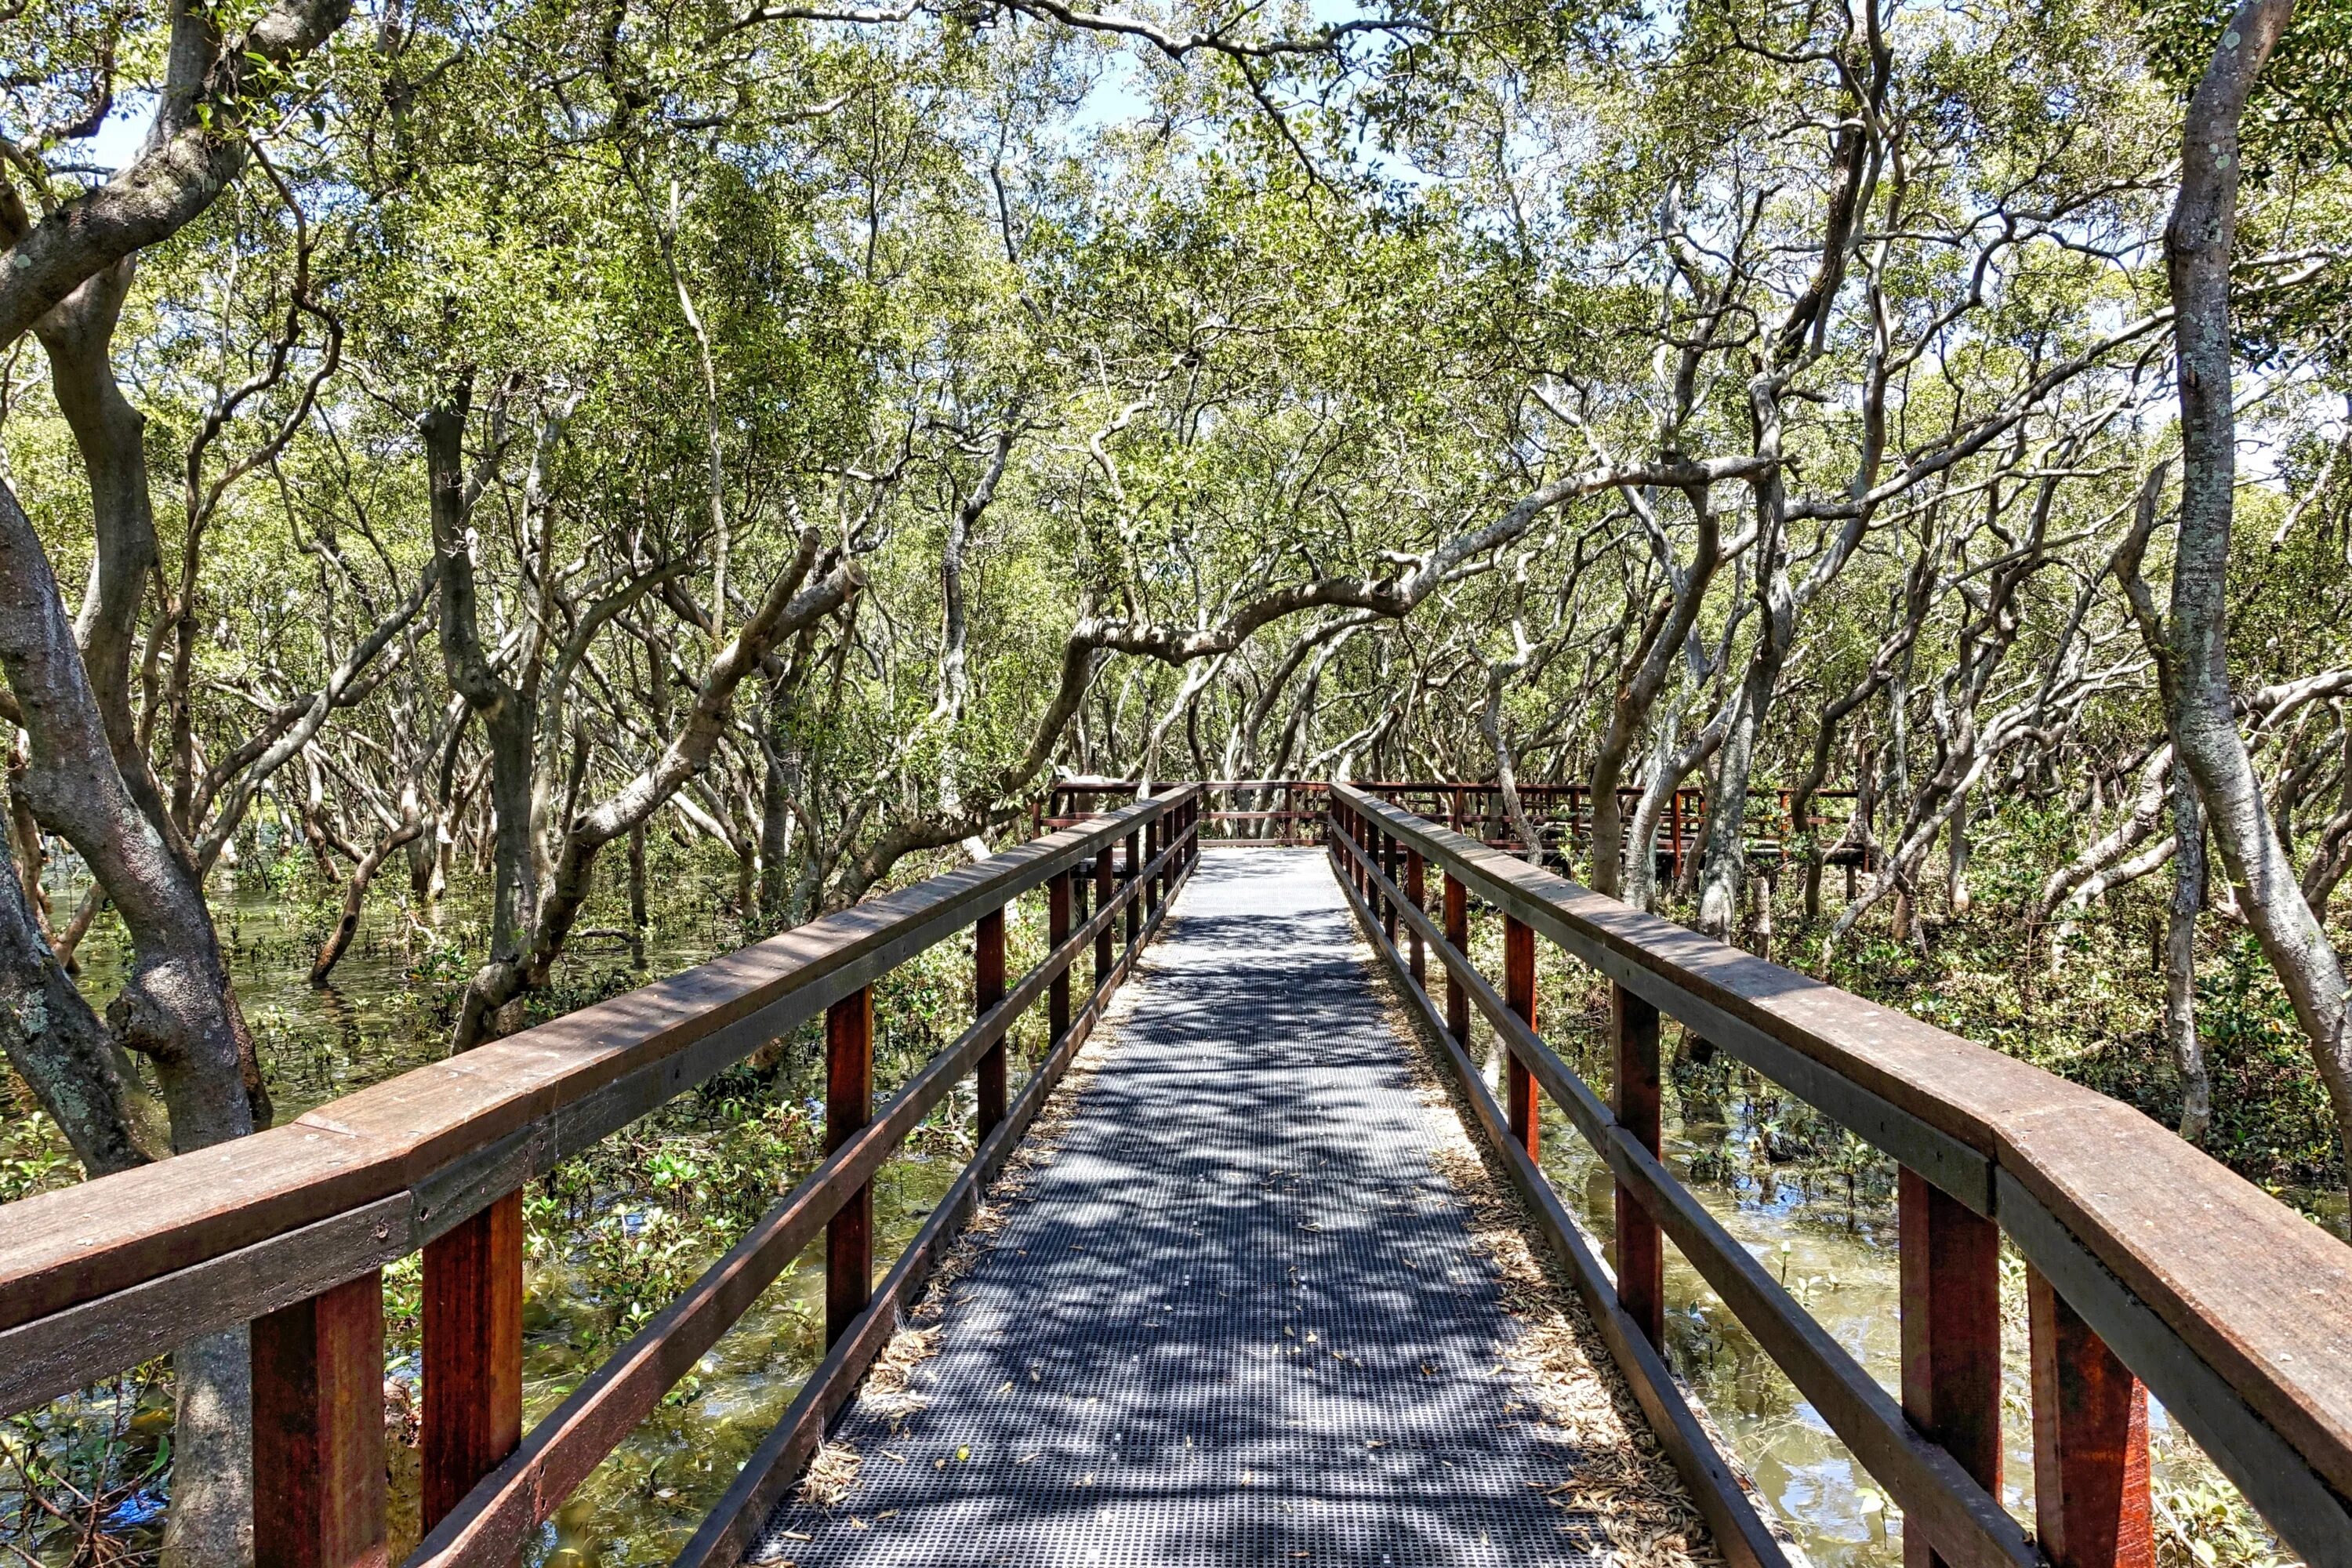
(611, 1235)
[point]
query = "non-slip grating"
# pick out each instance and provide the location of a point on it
(1238, 1319)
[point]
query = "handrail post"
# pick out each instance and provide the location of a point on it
(1150, 896)
(1059, 897)
(2090, 1442)
(1389, 870)
(1105, 889)
(1950, 1262)
(1519, 996)
(1416, 890)
(1457, 937)
(848, 1106)
(987, 991)
(1134, 869)
(317, 1430)
(1640, 1250)
(472, 1354)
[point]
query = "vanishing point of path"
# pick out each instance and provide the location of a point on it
(1238, 1318)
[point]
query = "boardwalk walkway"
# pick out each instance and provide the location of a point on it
(1238, 1318)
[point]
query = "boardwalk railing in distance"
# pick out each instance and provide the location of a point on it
(288, 1230)
(2150, 1267)
(1289, 812)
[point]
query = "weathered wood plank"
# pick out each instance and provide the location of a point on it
(82, 1243)
(317, 1430)
(2232, 1309)
(1951, 1288)
(491, 1524)
(1519, 996)
(2091, 1505)
(1730, 1513)
(472, 1354)
(60, 1352)
(849, 1106)
(987, 991)
(1969, 1524)
(1635, 1101)
(729, 1528)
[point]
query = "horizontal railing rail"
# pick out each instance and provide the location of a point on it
(288, 1230)
(1289, 813)
(2150, 1265)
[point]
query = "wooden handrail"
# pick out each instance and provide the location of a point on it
(288, 1229)
(2234, 1309)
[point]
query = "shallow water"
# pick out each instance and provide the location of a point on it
(379, 1018)
(1833, 1243)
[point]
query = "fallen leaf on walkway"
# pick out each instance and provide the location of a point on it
(831, 1475)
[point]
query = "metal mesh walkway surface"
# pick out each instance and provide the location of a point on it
(1238, 1317)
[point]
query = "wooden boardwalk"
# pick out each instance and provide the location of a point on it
(1238, 1317)
(1125, 1375)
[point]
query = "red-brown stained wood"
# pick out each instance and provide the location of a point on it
(1519, 995)
(1457, 937)
(317, 1431)
(2261, 1293)
(2090, 1443)
(1641, 1249)
(1951, 1334)
(1059, 897)
(1134, 868)
(473, 1354)
(1388, 868)
(2204, 1248)
(987, 991)
(1106, 889)
(1153, 842)
(848, 1106)
(82, 1243)
(1416, 890)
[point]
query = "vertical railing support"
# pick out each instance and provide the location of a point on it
(1951, 1334)
(1150, 900)
(1389, 870)
(317, 1430)
(1106, 889)
(848, 1106)
(2090, 1442)
(987, 991)
(1640, 1250)
(1060, 894)
(1457, 937)
(1134, 869)
(1675, 814)
(1519, 996)
(1416, 892)
(472, 1354)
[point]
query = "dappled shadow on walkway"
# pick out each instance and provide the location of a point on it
(1238, 1318)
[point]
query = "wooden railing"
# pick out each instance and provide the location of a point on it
(288, 1230)
(1291, 812)
(2148, 1262)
